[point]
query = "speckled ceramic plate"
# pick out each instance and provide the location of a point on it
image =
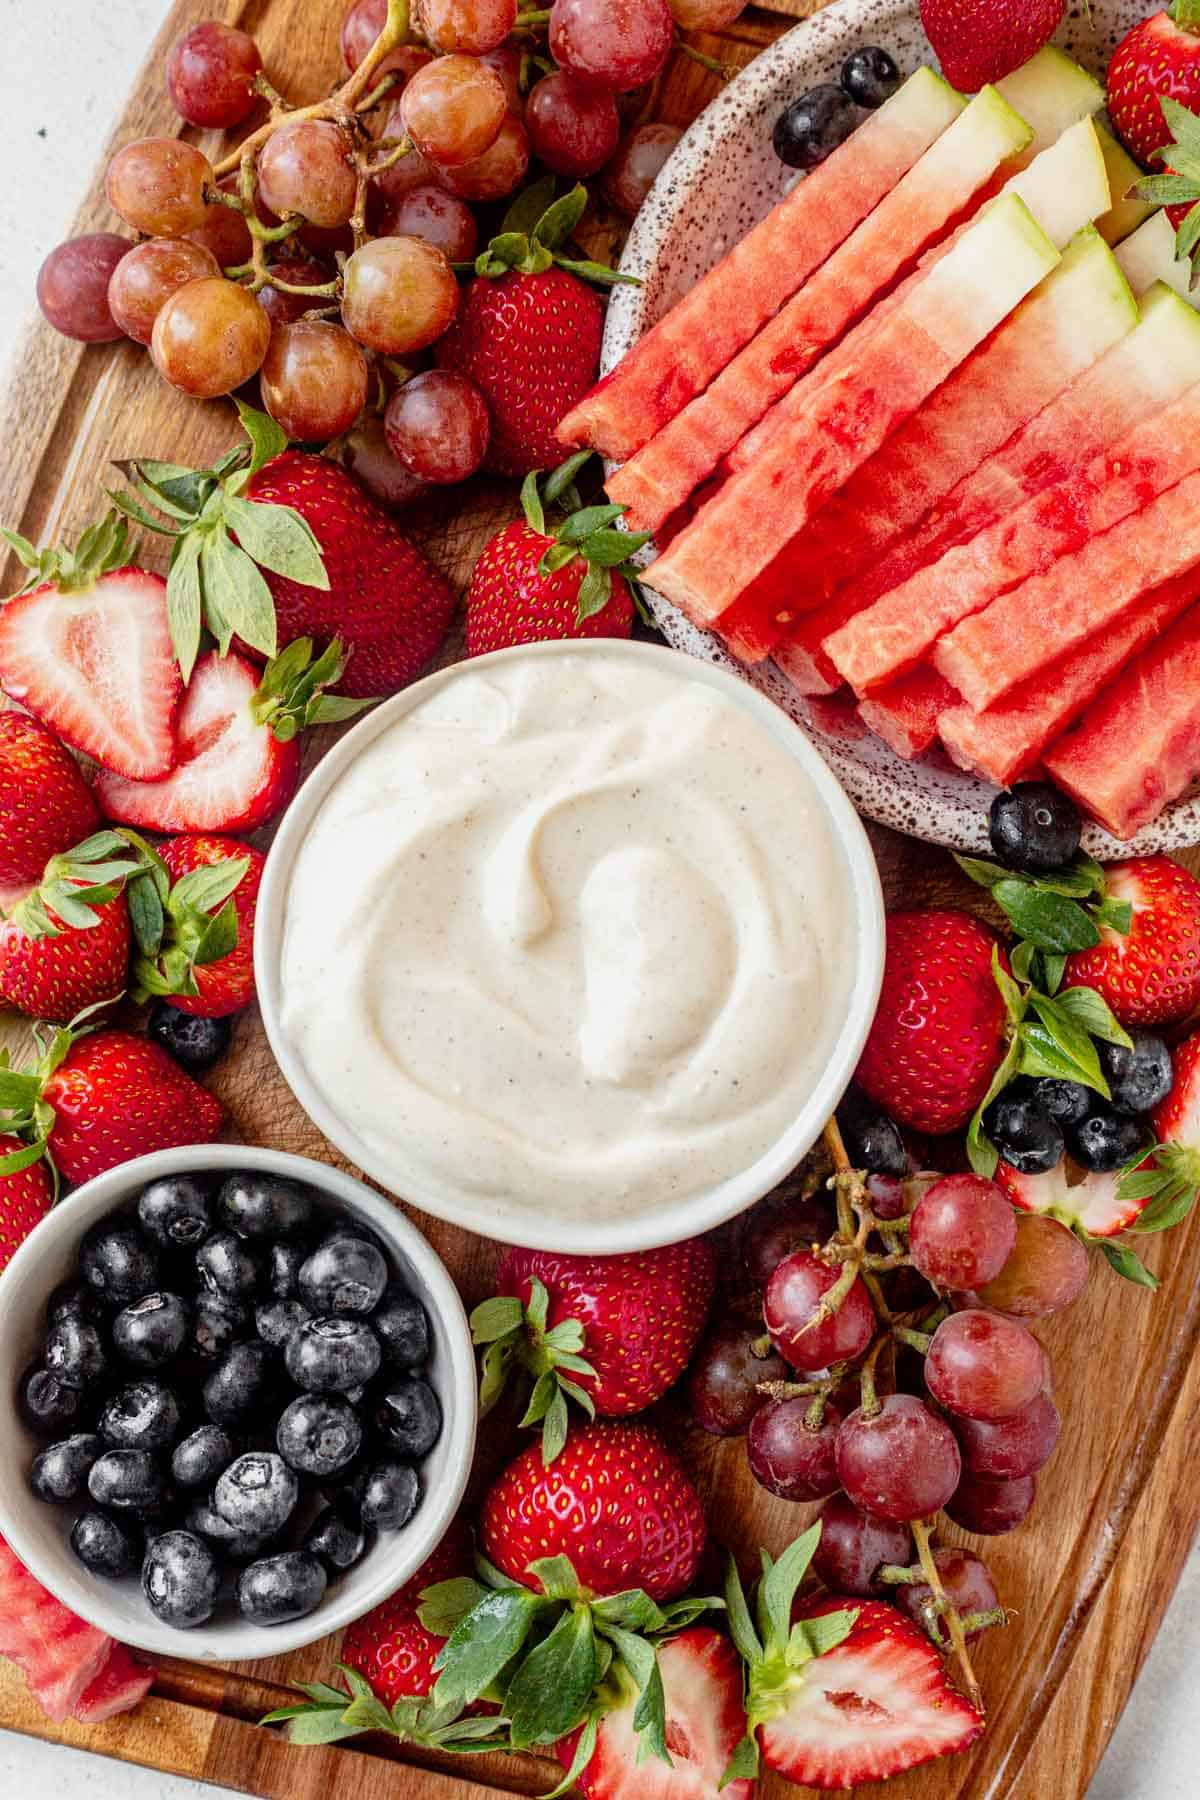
(722, 178)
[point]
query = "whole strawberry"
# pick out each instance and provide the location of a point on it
(25, 1197)
(613, 1332)
(616, 1503)
(65, 945)
(389, 1646)
(938, 1035)
(978, 41)
(196, 934)
(1150, 976)
(45, 804)
(1160, 58)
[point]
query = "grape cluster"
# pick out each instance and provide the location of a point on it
(328, 243)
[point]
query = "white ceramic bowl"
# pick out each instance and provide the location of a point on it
(720, 180)
(39, 1534)
(573, 1231)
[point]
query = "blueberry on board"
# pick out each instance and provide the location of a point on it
(338, 1538)
(226, 1268)
(108, 1547)
(238, 1384)
(409, 1417)
(284, 1262)
(1106, 1140)
(391, 1493)
(74, 1300)
(74, 1352)
(1035, 828)
(117, 1263)
(870, 76)
(142, 1415)
(276, 1320)
(200, 1457)
(256, 1205)
(813, 127)
(127, 1481)
(872, 1140)
(152, 1331)
(217, 1325)
(194, 1043)
(344, 1276)
(50, 1406)
(176, 1211)
(332, 1355)
(257, 1493)
(181, 1579)
(1069, 1102)
(318, 1434)
(1138, 1079)
(1024, 1133)
(279, 1588)
(60, 1472)
(401, 1324)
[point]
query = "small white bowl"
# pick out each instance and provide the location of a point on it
(655, 1223)
(39, 1534)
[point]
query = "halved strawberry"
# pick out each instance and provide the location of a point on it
(88, 651)
(1151, 974)
(1083, 1200)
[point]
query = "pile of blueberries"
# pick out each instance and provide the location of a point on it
(813, 127)
(235, 1395)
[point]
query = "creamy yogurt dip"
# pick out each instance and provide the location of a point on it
(572, 936)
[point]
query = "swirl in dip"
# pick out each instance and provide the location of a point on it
(572, 936)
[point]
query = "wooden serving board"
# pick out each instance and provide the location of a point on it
(1087, 1579)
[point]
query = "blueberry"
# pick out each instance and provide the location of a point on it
(143, 1415)
(276, 1320)
(1069, 1102)
(74, 1352)
(230, 1543)
(338, 1538)
(870, 76)
(152, 1331)
(390, 1495)
(811, 128)
(226, 1268)
(194, 1043)
(280, 1588)
(176, 1211)
(127, 1481)
(1106, 1140)
(401, 1324)
(264, 1206)
(60, 1472)
(346, 1275)
(409, 1417)
(332, 1355)
(257, 1494)
(181, 1580)
(873, 1141)
(74, 1300)
(1024, 1133)
(201, 1456)
(217, 1325)
(117, 1263)
(283, 1269)
(238, 1384)
(1139, 1078)
(108, 1547)
(50, 1406)
(318, 1434)
(1034, 827)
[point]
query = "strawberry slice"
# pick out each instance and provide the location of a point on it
(88, 652)
(1086, 1201)
(121, 1684)
(59, 1655)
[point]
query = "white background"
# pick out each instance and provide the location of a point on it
(65, 68)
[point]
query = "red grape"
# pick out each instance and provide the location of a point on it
(306, 168)
(72, 286)
(506, 63)
(398, 295)
(211, 71)
(436, 216)
(1007, 1449)
(361, 26)
(781, 1225)
(313, 380)
(787, 1457)
(617, 45)
(706, 15)
(496, 173)
(1047, 1271)
(299, 271)
(903, 1463)
(983, 1365)
(724, 1380)
(962, 1232)
(968, 1586)
(990, 1508)
(572, 129)
(793, 1295)
(854, 1547)
(368, 458)
(157, 185)
(148, 276)
(222, 231)
(209, 337)
(438, 425)
(635, 168)
(453, 109)
(472, 26)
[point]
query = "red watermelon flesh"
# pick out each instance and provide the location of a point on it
(907, 713)
(120, 1686)
(59, 1655)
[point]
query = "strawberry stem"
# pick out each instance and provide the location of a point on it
(1186, 14)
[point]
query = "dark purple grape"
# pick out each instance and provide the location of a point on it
(725, 1376)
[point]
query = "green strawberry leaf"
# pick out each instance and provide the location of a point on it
(984, 873)
(982, 1154)
(446, 1604)
(549, 1694)
(632, 1610)
(267, 439)
(1116, 915)
(813, 1637)
(595, 591)
(780, 1583)
(557, 1578)
(483, 1643)
(529, 206)
(743, 1764)
(1048, 920)
(600, 273)
(741, 1625)
(1126, 1263)
(650, 1714)
(16, 1160)
(278, 538)
(585, 1749)
(608, 549)
(185, 601)
(562, 478)
(496, 1318)
(1092, 1013)
(560, 218)
(235, 582)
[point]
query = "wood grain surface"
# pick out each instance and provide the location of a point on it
(1087, 1579)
